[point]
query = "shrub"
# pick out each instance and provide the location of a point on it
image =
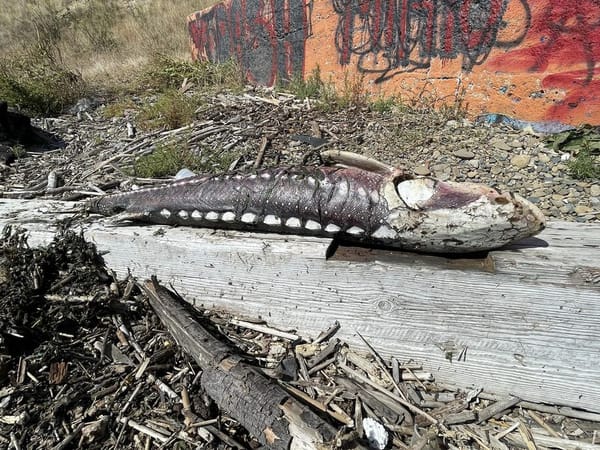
(173, 109)
(168, 159)
(39, 84)
(584, 165)
(168, 73)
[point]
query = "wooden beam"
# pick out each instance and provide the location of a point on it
(523, 321)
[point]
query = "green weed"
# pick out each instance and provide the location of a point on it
(119, 107)
(584, 165)
(39, 84)
(310, 87)
(384, 105)
(168, 159)
(173, 109)
(168, 73)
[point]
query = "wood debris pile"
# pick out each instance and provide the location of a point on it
(89, 360)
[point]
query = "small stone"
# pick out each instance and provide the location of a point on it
(464, 154)
(567, 209)
(534, 199)
(422, 171)
(543, 157)
(501, 145)
(520, 161)
(582, 210)
(474, 163)
(595, 190)
(496, 170)
(472, 174)
(516, 144)
(439, 168)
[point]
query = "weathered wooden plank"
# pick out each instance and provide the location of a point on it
(522, 321)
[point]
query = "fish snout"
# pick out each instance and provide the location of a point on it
(532, 216)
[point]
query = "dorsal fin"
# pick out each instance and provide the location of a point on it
(350, 159)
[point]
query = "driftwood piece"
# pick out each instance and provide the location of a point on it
(521, 321)
(260, 405)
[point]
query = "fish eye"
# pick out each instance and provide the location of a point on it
(414, 193)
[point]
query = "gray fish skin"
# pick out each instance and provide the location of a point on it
(374, 207)
(307, 199)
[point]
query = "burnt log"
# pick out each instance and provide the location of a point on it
(263, 407)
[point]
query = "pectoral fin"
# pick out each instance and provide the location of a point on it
(350, 159)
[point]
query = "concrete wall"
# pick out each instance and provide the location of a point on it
(535, 60)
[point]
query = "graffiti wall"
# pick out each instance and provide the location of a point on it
(267, 37)
(536, 60)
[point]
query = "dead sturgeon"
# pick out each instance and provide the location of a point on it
(357, 199)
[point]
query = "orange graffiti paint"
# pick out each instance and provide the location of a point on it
(535, 60)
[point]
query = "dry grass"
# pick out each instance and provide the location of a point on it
(104, 41)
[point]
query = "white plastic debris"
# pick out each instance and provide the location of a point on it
(565, 157)
(184, 173)
(375, 433)
(130, 130)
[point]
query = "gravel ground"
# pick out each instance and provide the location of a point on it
(98, 151)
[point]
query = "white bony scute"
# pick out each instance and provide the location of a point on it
(384, 232)
(332, 228)
(312, 225)
(293, 222)
(272, 220)
(248, 217)
(355, 231)
(228, 216)
(212, 216)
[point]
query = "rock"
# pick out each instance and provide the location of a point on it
(595, 190)
(464, 154)
(440, 168)
(500, 145)
(83, 105)
(516, 144)
(543, 158)
(521, 161)
(582, 209)
(422, 171)
(567, 209)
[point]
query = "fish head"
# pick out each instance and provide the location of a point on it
(443, 216)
